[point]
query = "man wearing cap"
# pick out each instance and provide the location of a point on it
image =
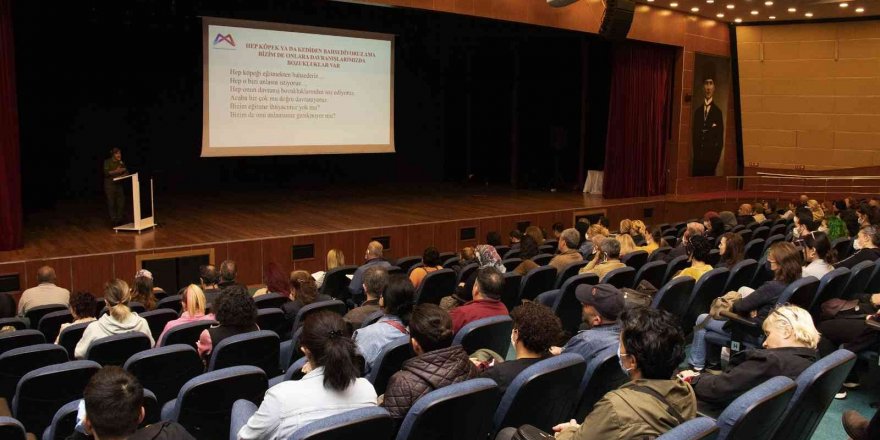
(707, 128)
(602, 306)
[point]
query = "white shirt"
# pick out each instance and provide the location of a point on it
(817, 268)
(292, 404)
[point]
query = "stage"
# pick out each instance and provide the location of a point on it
(255, 228)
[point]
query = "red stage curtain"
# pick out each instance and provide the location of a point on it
(10, 168)
(638, 120)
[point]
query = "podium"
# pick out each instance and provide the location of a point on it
(139, 223)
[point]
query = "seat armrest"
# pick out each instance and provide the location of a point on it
(736, 319)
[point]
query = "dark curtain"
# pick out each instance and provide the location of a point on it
(638, 120)
(10, 169)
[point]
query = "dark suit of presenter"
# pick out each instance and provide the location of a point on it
(115, 191)
(708, 138)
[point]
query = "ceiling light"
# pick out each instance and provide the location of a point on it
(773, 17)
(674, 4)
(650, 1)
(768, 3)
(719, 15)
(844, 5)
(808, 14)
(730, 6)
(792, 9)
(860, 10)
(754, 12)
(695, 9)
(738, 20)
(710, 1)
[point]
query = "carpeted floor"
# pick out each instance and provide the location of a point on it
(860, 400)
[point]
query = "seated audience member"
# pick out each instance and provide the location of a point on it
(44, 294)
(486, 301)
(276, 281)
(604, 221)
(698, 253)
(397, 302)
(375, 280)
(816, 210)
(693, 229)
(744, 214)
(715, 228)
(493, 238)
(758, 209)
(430, 263)
(114, 407)
(867, 215)
(835, 227)
(849, 328)
(865, 246)
(728, 218)
(142, 291)
(558, 227)
(83, 308)
(803, 224)
(625, 227)
(193, 304)
(731, 250)
(583, 227)
(817, 255)
(228, 272)
(514, 237)
(792, 206)
(789, 349)
(606, 260)
(652, 241)
(303, 291)
(437, 364)
(236, 314)
(487, 256)
(851, 221)
(120, 319)
(602, 305)
(527, 250)
(535, 329)
(466, 257)
(595, 234)
(536, 233)
(627, 245)
(785, 263)
(857, 427)
(332, 385)
(335, 258)
(372, 257)
(802, 202)
(208, 278)
(567, 251)
(639, 231)
(651, 346)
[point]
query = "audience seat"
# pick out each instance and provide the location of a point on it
(64, 420)
(134, 306)
(11, 429)
(258, 348)
(186, 333)
(407, 263)
(17, 323)
(492, 333)
(510, 295)
(761, 232)
(20, 338)
(513, 253)
(757, 414)
(674, 296)
(42, 391)
(762, 274)
(860, 276)
(502, 250)
(620, 277)
(741, 274)
(335, 306)
(537, 281)
(602, 375)
(659, 254)
(635, 259)
(396, 270)
(466, 272)
(738, 228)
(372, 318)
(336, 282)
(804, 293)
(371, 423)
(770, 240)
(447, 255)
(700, 428)
(164, 370)
(272, 319)
(204, 404)
(116, 349)
(70, 336)
(435, 286)
(705, 290)
(543, 394)
(510, 264)
(34, 314)
(830, 286)
(777, 229)
(675, 266)
(270, 300)
(170, 302)
(542, 259)
(874, 283)
(566, 305)
(567, 272)
(547, 249)
(816, 387)
(843, 247)
(747, 234)
(388, 362)
(458, 411)
(714, 257)
(755, 249)
(670, 240)
(157, 320)
(651, 272)
(50, 323)
(16, 363)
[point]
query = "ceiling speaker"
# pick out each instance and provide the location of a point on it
(617, 19)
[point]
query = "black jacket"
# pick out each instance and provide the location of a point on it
(707, 139)
(750, 368)
(870, 254)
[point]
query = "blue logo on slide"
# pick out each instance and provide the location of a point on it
(220, 38)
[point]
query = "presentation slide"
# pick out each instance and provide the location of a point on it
(281, 89)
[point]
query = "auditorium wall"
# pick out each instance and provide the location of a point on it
(810, 96)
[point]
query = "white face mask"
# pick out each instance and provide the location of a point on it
(823, 228)
(620, 361)
(857, 245)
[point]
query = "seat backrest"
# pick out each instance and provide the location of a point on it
(164, 370)
(364, 424)
(11, 429)
(116, 349)
(336, 282)
(635, 259)
(41, 392)
(542, 259)
(270, 300)
(510, 294)
(761, 232)
(20, 338)
(502, 249)
(392, 270)
(513, 253)
(336, 306)
(389, 361)
(492, 333)
(816, 387)
(511, 263)
(602, 375)
(157, 319)
(570, 270)
(674, 296)
(553, 382)
(435, 286)
(651, 272)
(772, 239)
(777, 229)
(754, 248)
(660, 253)
(740, 274)
(843, 247)
(700, 428)
(258, 348)
(70, 336)
(272, 319)
(762, 273)
(801, 292)
(171, 302)
(860, 276)
(567, 307)
(204, 404)
(830, 286)
(50, 323)
(465, 272)
(34, 314)
(677, 264)
(537, 281)
(706, 289)
(64, 421)
(714, 257)
(430, 417)
(620, 277)
(17, 323)
(547, 249)
(15, 363)
(407, 263)
(372, 318)
(746, 235)
(874, 282)
(756, 415)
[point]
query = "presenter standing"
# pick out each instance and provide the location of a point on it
(114, 167)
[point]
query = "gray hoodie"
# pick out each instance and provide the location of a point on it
(107, 326)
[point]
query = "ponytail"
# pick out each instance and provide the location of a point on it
(325, 335)
(305, 286)
(399, 297)
(117, 295)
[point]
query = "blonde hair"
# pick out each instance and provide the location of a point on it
(639, 227)
(627, 244)
(194, 300)
(625, 225)
(597, 229)
(816, 209)
(335, 258)
(796, 318)
(535, 232)
(117, 295)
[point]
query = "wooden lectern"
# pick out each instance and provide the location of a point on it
(139, 223)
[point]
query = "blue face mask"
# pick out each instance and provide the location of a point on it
(620, 361)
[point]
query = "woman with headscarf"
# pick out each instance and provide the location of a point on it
(487, 256)
(729, 219)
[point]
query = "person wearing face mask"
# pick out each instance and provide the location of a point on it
(865, 246)
(803, 224)
(651, 345)
(602, 305)
(817, 250)
(789, 349)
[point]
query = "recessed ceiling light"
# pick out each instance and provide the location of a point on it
(695, 9)
(860, 10)
(773, 17)
(844, 5)
(719, 15)
(738, 20)
(768, 3)
(754, 12)
(730, 6)
(792, 9)
(710, 1)
(808, 14)
(674, 4)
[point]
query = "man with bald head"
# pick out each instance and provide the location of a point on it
(44, 294)
(745, 214)
(693, 229)
(372, 258)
